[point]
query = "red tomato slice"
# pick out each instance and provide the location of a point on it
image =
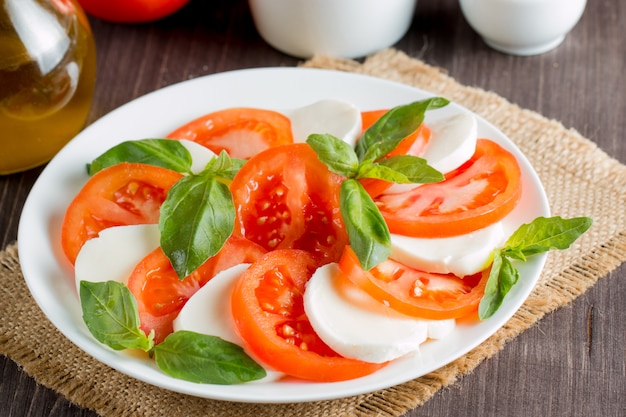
(479, 193)
(241, 132)
(285, 198)
(160, 294)
(123, 194)
(131, 11)
(413, 145)
(416, 293)
(268, 310)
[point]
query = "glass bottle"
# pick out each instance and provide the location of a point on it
(47, 79)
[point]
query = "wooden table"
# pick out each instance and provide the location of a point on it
(573, 362)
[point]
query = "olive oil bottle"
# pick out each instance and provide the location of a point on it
(47, 79)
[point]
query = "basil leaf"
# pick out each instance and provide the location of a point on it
(196, 219)
(415, 169)
(335, 153)
(380, 149)
(398, 123)
(370, 169)
(165, 153)
(205, 359)
(223, 166)
(367, 230)
(544, 234)
(539, 236)
(111, 315)
(502, 277)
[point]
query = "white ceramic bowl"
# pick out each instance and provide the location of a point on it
(523, 27)
(340, 28)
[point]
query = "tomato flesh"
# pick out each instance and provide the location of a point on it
(242, 132)
(268, 310)
(479, 193)
(123, 194)
(417, 293)
(285, 198)
(160, 294)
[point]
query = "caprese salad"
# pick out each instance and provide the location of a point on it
(319, 243)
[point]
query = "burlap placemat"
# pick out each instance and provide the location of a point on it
(573, 170)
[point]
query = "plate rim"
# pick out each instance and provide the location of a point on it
(322, 391)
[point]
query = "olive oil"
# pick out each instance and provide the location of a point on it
(47, 78)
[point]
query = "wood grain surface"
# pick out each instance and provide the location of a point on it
(573, 362)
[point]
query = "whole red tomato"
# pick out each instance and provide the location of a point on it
(131, 11)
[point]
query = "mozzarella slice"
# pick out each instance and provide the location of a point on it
(115, 252)
(208, 311)
(460, 255)
(452, 143)
(200, 155)
(356, 326)
(338, 118)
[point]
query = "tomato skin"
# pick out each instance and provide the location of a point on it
(240, 131)
(123, 194)
(285, 198)
(131, 11)
(160, 294)
(268, 311)
(417, 293)
(479, 193)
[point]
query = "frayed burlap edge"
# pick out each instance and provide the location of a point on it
(572, 169)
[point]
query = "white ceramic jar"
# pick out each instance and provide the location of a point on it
(341, 28)
(523, 27)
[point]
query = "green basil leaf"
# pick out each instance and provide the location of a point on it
(415, 169)
(370, 169)
(544, 234)
(223, 166)
(196, 219)
(335, 153)
(367, 230)
(165, 153)
(378, 150)
(539, 236)
(111, 315)
(388, 131)
(205, 359)
(502, 277)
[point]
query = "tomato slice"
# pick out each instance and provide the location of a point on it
(268, 311)
(242, 132)
(414, 145)
(479, 193)
(285, 198)
(160, 294)
(417, 293)
(123, 194)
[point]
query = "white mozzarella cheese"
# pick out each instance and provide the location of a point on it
(452, 143)
(200, 155)
(459, 255)
(335, 117)
(208, 311)
(356, 326)
(114, 253)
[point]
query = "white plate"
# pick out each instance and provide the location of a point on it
(50, 278)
